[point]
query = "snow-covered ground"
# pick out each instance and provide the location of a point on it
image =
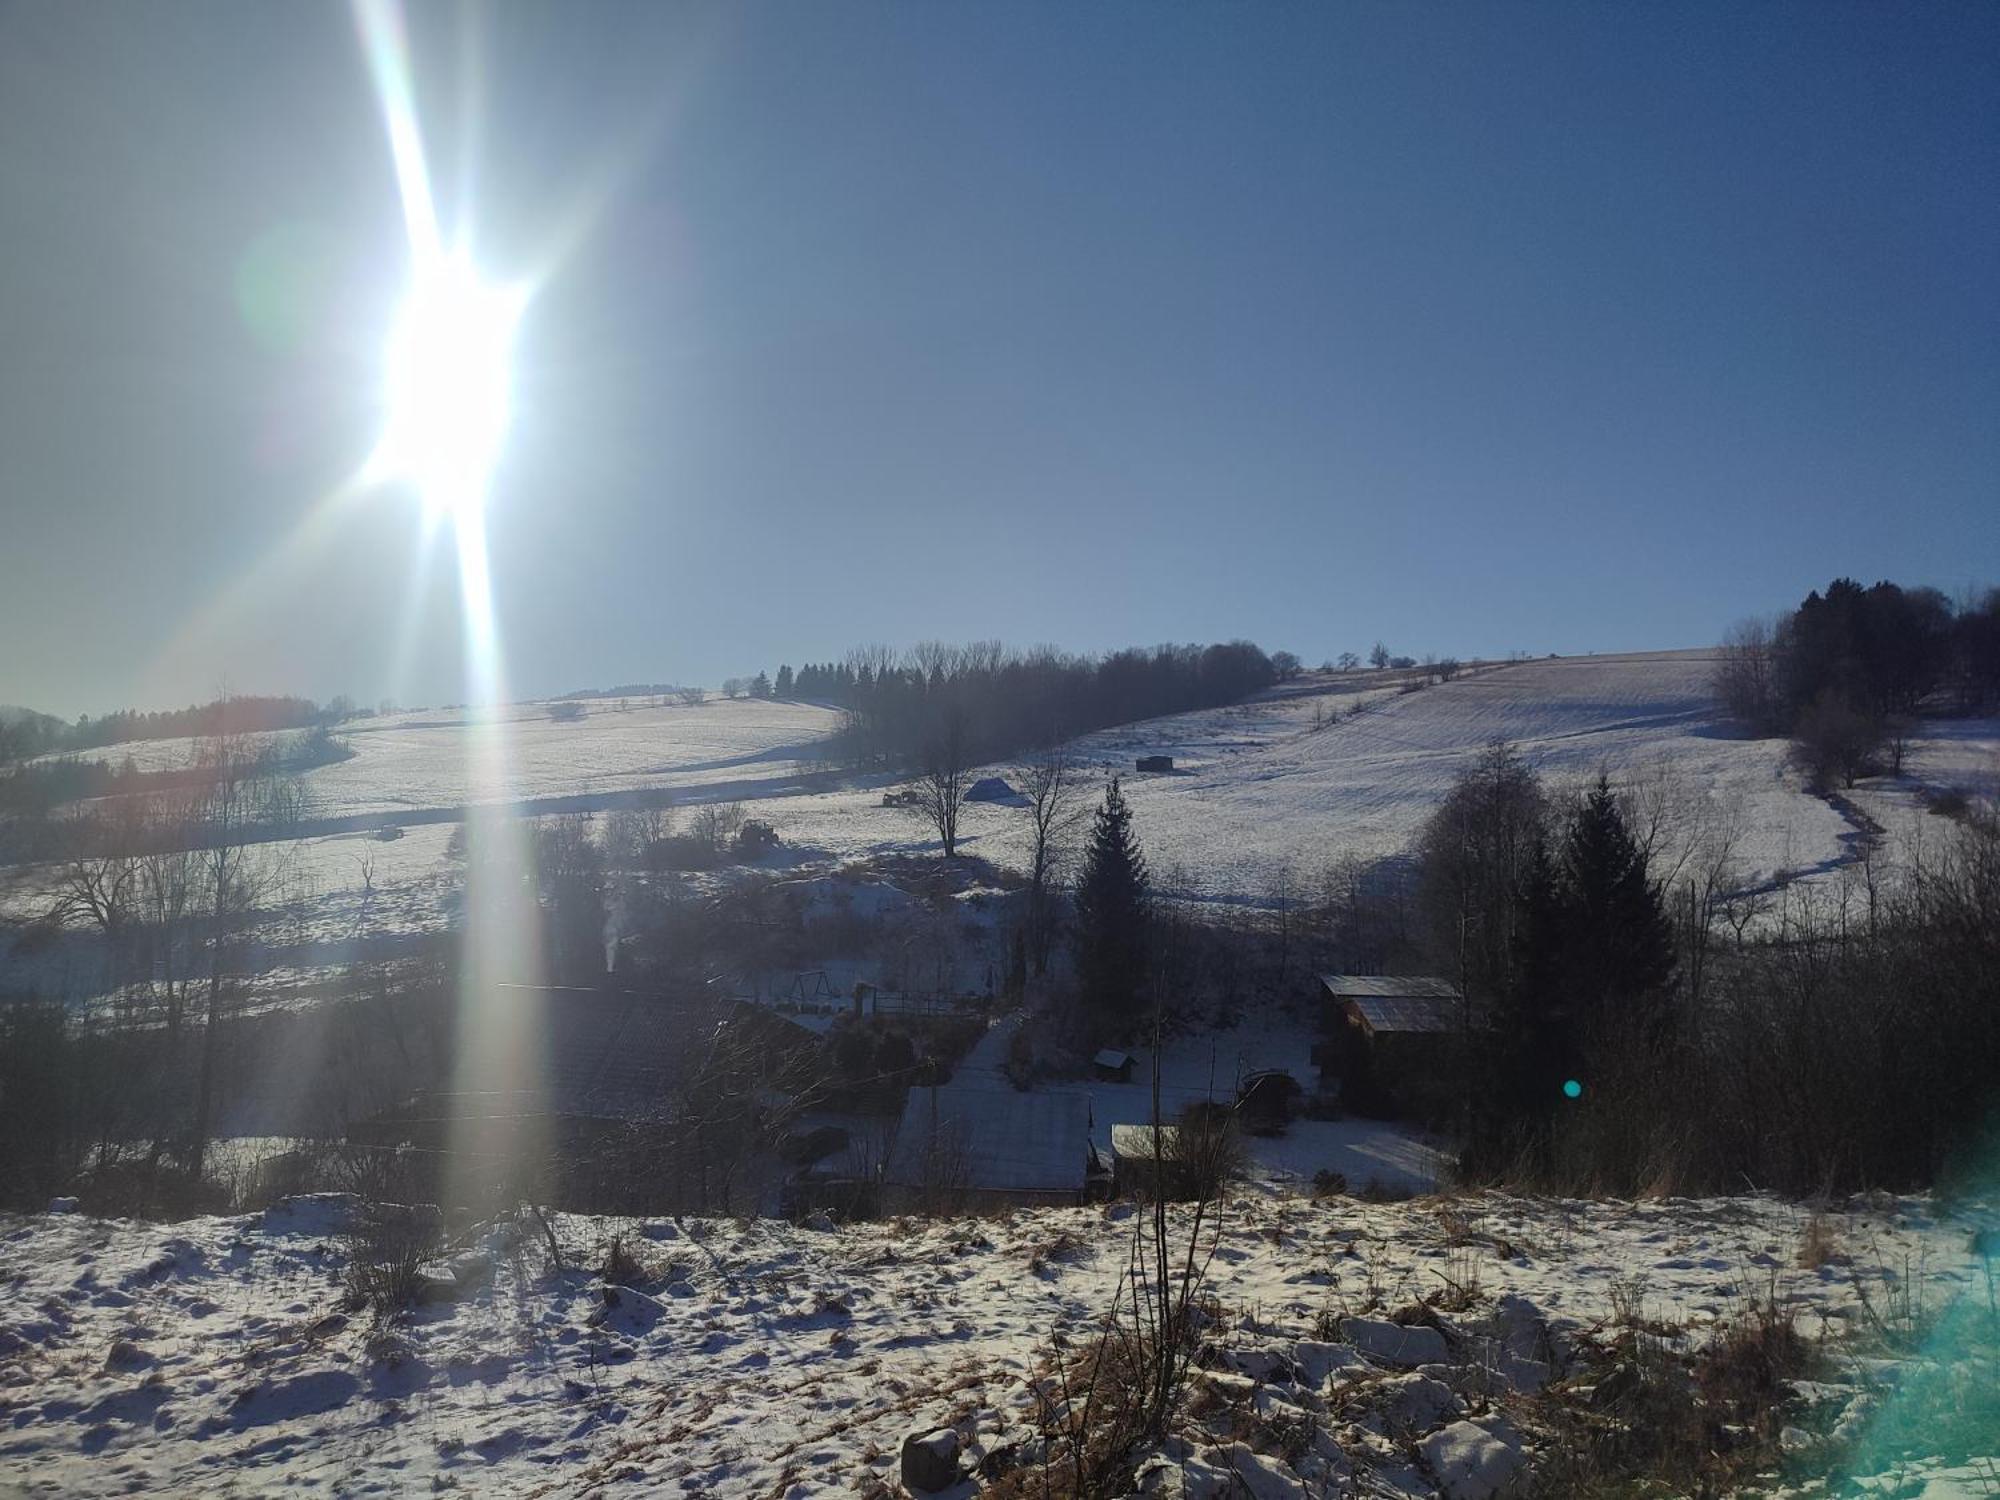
(759, 1358)
(1262, 793)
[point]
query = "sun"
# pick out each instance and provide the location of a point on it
(449, 378)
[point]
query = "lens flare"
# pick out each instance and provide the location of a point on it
(448, 383)
(449, 374)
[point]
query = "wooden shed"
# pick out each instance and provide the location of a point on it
(1385, 1039)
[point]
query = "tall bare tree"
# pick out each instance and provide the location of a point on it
(1057, 803)
(937, 796)
(240, 807)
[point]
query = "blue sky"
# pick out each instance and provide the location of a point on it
(1471, 328)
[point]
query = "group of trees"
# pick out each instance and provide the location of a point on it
(122, 796)
(170, 880)
(25, 735)
(993, 702)
(1635, 1015)
(1845, 672)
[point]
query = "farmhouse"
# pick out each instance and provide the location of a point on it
(1384, 1039)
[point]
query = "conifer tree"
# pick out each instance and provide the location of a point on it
(1112, 897)
(1618, 946)
(1536, 1043)
(784, 683)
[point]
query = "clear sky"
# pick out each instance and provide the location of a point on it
(1469, 327)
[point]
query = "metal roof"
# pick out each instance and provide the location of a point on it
(1406, 1013)
(1389, 986)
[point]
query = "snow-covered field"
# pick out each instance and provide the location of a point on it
(759, 1358)
(1263, 793)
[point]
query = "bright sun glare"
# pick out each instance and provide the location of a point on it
(449, 361)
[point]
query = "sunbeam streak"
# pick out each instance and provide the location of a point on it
(448, 377)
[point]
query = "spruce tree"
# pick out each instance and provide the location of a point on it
(1537, 1047)
(1111, 916)
(1618, 946)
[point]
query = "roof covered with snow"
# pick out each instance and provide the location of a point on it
(1014, 1140)
(1388, 986)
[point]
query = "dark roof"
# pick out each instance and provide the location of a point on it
(612, 1056)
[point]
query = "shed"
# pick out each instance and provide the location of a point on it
(1155, 763)
(1385, 1038)
(1112, 1066)
(991, 789)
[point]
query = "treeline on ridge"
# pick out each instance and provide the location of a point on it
(41, 734)
(982, 701)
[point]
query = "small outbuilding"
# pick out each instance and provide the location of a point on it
(1112, 1066)
(991, 789)
(1155, 763)
(1385, 1039)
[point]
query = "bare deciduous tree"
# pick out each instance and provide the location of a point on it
(937, 796)
(236, 809)
(1056, 805)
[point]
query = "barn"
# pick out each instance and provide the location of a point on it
(1385, 1040)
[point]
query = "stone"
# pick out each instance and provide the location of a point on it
(1258, 1475)
(1263, 1364)
(930, 1460)
(1411, 1404)
(472, 1271)
(1318, 1362)
(1471, 1463)
(1394, 1344)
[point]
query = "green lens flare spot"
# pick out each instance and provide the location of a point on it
(1572, 1089)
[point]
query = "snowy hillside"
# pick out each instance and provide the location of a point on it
(1293, 781)
(1267, 791)
(759, 1358)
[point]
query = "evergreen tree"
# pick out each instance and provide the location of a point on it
(760, 686)
(784, 684)
(1618, 946)
(1536, 1038)
(1111, 915)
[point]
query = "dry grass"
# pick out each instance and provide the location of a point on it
(1819, 1245)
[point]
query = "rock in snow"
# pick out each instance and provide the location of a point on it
(1393, 1344)
(930, 1460)
(1471, 1463)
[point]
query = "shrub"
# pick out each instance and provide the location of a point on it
(388, 1246)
